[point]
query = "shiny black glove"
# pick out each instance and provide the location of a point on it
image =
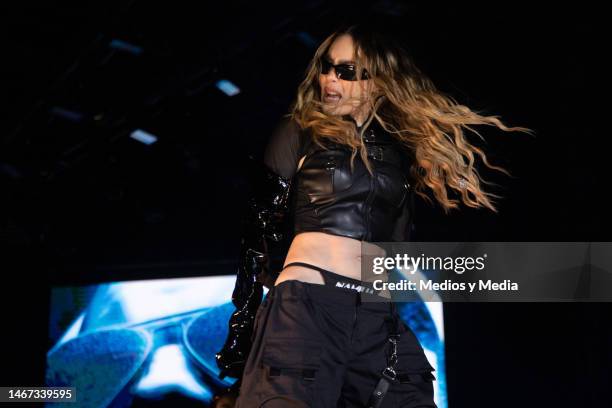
(267, 209)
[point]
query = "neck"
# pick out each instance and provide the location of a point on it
(359, 120)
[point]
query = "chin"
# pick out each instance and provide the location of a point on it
(335, 110)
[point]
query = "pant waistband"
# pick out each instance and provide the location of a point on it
(338, 289)
(333, 279)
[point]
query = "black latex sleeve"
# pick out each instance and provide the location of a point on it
(263, 220)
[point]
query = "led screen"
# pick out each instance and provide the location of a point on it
(152, 342)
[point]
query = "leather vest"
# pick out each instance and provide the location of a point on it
(329, 197)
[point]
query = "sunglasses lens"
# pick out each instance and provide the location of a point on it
(98, 363)
(343, 71)
(325, 67)
(206, 334)
(346, 72)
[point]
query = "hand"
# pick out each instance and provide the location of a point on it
(246, 296)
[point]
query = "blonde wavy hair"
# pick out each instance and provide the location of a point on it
(406, 104)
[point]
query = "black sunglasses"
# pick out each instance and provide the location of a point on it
(343, 71)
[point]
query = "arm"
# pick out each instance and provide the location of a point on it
(279, 166)
(266, 211)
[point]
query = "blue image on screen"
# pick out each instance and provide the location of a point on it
(153, 342)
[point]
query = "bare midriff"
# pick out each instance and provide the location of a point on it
(338, 254)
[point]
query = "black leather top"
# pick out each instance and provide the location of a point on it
(328, 197)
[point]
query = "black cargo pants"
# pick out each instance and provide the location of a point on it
(321, 346)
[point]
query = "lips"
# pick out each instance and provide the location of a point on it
(329, 95)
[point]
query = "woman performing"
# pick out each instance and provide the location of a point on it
(366, 132)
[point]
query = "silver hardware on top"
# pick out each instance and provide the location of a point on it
(375, 152)
(331, 164)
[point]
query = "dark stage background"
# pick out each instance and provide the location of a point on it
(81, 202)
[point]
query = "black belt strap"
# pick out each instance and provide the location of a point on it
(388, 375)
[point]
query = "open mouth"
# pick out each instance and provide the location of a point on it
(331, 97)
